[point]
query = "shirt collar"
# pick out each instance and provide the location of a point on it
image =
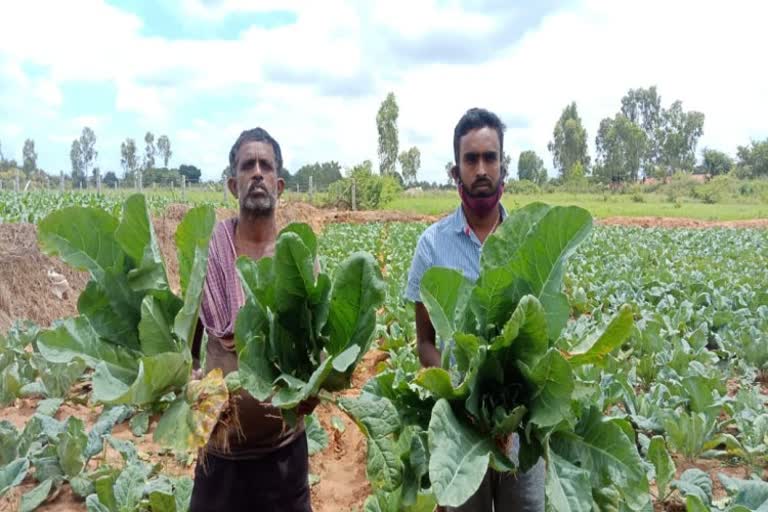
(459, 221)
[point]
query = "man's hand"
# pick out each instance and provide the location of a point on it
(306, 407)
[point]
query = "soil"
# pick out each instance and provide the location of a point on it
(27, 292)
(680, 222)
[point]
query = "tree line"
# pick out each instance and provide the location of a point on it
(84, 171)
(643, 139)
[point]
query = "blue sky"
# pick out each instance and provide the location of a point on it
(314, 73)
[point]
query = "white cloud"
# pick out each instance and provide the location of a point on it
(317, 84)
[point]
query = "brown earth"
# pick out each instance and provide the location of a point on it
(680, 222)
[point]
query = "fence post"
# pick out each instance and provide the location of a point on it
(61, 182)
(98, 182)
(141, 181)
(16, 182)
(224, 188)
(354, 195)
(183, 188)
(310, 189)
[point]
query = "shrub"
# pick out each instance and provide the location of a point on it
(371, 191)
(522, 187)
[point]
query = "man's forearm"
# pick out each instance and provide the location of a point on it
(425, 338)
(428, 353)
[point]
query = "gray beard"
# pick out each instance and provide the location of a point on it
(258, 206)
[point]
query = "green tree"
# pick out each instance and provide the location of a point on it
(410, 162)
(190, 172)
(569, 143)
(164, 149)
(621, 146)
(643, 108)
(129, 160)
(753, 160)
(448, 166)
(681, 132)
(88, 153)
(149, 151)
(530, 167)
(76, 158)
(716, 162)
(29, 157)
(323, 174)
(109, 179)
(506, 163)
(386, 123)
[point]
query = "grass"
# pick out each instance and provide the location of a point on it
(600, 206)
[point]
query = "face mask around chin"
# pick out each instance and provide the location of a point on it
(481, 205)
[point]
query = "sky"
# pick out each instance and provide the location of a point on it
(315, 73)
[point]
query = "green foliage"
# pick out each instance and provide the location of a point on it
(621, 146)
(371, 191)
(323, 175)
(386, 125)
(569, 142)
(753, 160)
(410, 161)
(132, 329)
(300, 332)
(716, 162)
(531, 168)
(506, 377)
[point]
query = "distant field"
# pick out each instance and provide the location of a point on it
(600, 206)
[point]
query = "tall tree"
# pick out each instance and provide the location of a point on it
(530, 167)
(129, 160)
(753, 160)
(716, 162)
(323, 174)
(109, 179)
(30, 157)
(621, 146)
(88, 151)
(681, 132)
(164, 149)
(569, 143)
(76, 157)
(448, 166)
(386, 123)
(410, 162)
(190, 172)
(643, 107)
(149, 151)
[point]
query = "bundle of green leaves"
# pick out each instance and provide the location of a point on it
(501, 373)
(132, 329)
(299, 331)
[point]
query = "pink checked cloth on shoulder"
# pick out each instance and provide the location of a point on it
(223, 294)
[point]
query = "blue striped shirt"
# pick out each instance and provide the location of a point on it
(449, 242)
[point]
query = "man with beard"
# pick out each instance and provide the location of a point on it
(456, 242)
(265, 466)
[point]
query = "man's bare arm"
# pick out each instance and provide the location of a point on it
(425, 338)
(197, 342)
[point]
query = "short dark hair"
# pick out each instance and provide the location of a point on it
(474, 119)
(254, 135)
